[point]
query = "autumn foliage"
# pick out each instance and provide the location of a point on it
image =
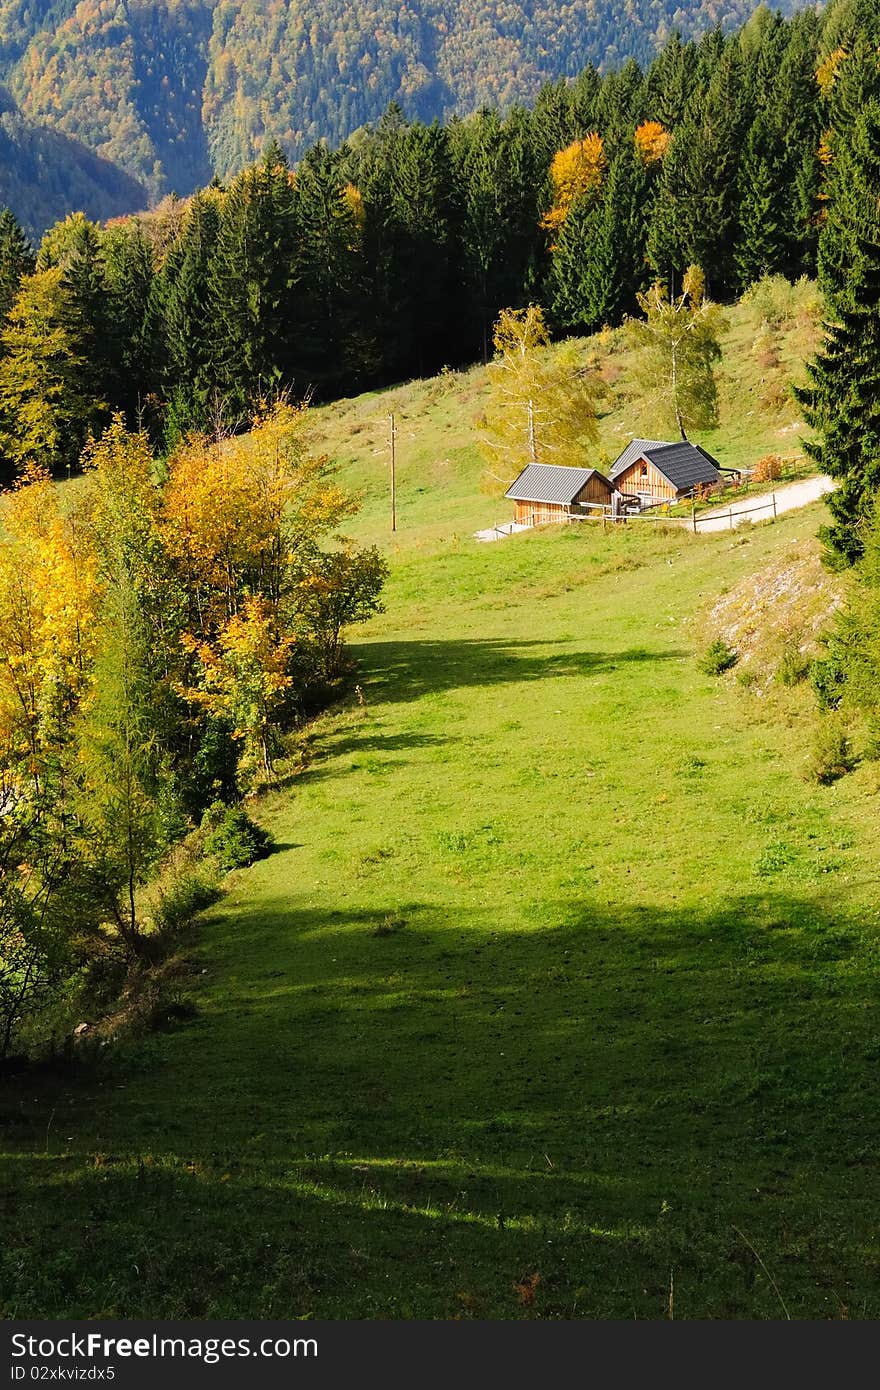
(652, 141)
(574, 171)
(156, 642)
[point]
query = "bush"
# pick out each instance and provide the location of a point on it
(718, 658)
(233, 838)
(767, 469)
(827, 677)
(180, 898)
(832, 756)
(793, 665)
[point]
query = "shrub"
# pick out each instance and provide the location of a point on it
(827, 677)
(180, 898)
(233, 838)
(793, 665)
(718, 658)
(767, 469)
(832, 756)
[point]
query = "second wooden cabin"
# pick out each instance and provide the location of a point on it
(655, 470)
(548, 492)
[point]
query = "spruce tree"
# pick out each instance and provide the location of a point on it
(86, 312)
(597, 261)
(331, 347)
(16, 260)
(842, 398)
(181, 311)
(761, 241)
(128, 261)
(684, 226)
(498, 216)
(669, 83)
(249, 284)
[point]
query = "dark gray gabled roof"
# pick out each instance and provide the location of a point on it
(635, 450)
(551, 482)
(683, 464)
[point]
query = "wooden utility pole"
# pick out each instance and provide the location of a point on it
(391, 438)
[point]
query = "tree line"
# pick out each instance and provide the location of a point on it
(395, 253)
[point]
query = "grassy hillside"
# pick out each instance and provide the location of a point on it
(443, 486)
(557, 998)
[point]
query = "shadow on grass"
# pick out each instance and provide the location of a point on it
(317, 752)
(414, 1123)
(407, 670)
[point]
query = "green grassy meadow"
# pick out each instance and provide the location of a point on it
(558, 998)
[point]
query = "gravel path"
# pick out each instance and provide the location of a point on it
(788, 498)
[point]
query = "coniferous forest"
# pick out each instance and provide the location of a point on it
(391, 255)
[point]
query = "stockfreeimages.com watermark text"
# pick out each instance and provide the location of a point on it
(31, 1353)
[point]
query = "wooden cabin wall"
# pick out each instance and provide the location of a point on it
(540, 513)
(653, 485)
(595, 491)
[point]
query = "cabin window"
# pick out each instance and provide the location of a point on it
(643, 471)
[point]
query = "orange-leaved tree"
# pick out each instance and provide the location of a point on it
(574, 172)
(652, 141)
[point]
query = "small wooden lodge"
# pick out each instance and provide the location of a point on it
(654, 471)
(549, 492)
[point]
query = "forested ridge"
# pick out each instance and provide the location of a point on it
(177, 90)
(393, 254)
(44, 173)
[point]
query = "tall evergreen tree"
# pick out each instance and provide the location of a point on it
(406, 185)
(761, 242)
(598, 259)
(842, 398)
(181, 312)
(684, 222)
(250, 283)
(16, 260)
(331, 345)
(498, 214)
(128, 274)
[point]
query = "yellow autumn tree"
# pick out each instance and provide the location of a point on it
(243, 679)
(574, 171)
(243, 515)
(542, 400)
(828, 68)
(48, 591)
(652, 142)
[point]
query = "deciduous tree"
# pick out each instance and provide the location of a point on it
(678, 348)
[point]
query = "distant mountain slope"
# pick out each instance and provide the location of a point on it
(173, 90)
(45, 174)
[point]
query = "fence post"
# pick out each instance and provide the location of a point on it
(694, 516)
(774, 506)
(730, 518)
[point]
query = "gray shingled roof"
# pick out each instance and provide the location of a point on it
(551, 482)
(685, 465)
